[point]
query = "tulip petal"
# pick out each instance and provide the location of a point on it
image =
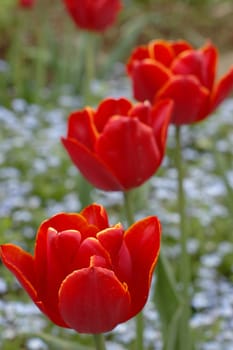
(161, 51)
(95, 16)
(189, 96)
(210, 58)
(160, 120)
(200, 63)
(92, 168)
(143, 243)
(148, 77)
(122, 265)
(21, 264)
(61, 252)
(88, 248)
(96, 214)
(222, 89)
(138, 54)
(158, 117)
(109, 108)
(92, 300)
(82, 128)
(111, 239)
(179, 46)
(142, 111)
(60, 222)
(129, 148)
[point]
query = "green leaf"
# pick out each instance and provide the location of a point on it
(172, 330)
(61, 344)
(166, 297)
(221, 169)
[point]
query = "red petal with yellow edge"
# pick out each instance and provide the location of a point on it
(142, 111)
(92, 167)
(129, 149)
(148, 77)
(210, 55)
(96, 214)
(92, 300)
(62, 249)
(111, 239)
(60, 222)
(223, 88)
(139, 54)
(143, 242)
(160, 120)
(109, 108)
(122, 265)
(189, 96)
(161, 51)
(21, 264)
(88, 248)
(180, 46)
(82, 128)
(201, 63)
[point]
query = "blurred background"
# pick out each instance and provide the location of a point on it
(40, 47)
(42, 79)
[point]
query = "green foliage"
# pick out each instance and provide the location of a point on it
(60, 344)
(42, 58)
(167, 300)
(7, 7)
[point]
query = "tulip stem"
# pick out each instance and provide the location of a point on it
(184, 331)
(99, 341)
(128, 207)
(89, 65)
(139, 318)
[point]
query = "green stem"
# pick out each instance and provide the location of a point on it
(184, 335)
(40, 62)
(84, 191)
(99, 341)
(89, 41)
(139, 318)
(128, 208)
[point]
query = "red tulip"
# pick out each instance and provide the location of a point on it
(26, 3)
(85, 274)
(93, 15)
(176, 70)
(118, 146)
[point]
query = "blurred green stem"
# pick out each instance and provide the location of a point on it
(184, 330)
(89, 57)
(139, 318)
(88, 40)
(99, 341)
(84, 191)
(128, 207)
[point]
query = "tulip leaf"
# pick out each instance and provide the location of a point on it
(56, 343)
(166, 297)
(11, 344)
(172, 330)
(221, 166)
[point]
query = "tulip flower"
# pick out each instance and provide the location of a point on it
(85, 274)
(118, 146)
(174, 69)
(26, 3)
(93, 15)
